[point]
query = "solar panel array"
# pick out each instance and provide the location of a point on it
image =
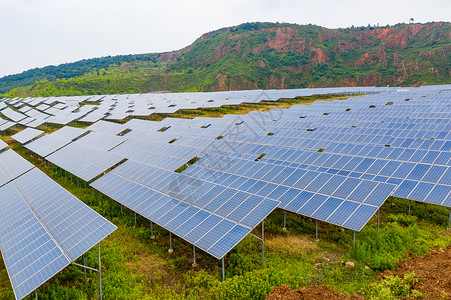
(212, 217)
(34, 112)
(43, 228)
(345, 182)
(334, 161)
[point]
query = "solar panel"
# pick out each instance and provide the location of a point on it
(107, 127)
(49, 143)
(13, 115)
(27, 135)
(43, 228)
(6, 125)
(3, 145)
(168, 204)
(82, 161)
(74, 225)
(12, 165)
(30, 253)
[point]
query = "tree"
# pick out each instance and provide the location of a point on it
(411, 20)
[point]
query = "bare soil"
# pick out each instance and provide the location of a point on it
(314, 292)
(433, 270)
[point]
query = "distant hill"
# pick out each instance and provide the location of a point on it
(259, 55)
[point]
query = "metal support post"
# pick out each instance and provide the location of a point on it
(84, 264)
(263, 242)
(135, 219)
(223, 270)
(100, 275)
(284, 220)
(170, 243)
(122, 210)
(36, 294)
(378, 216)
(354, 238)
(194, 256)
(152, 236)
(317, 230)
(449, 220)
(409, 207)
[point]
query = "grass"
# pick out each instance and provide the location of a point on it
(291, 246)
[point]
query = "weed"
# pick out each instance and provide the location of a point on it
(394, 287)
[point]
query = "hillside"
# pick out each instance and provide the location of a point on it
(259, 55)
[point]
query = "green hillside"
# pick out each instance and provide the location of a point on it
(259, 55)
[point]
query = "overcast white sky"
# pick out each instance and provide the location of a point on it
(37, 33)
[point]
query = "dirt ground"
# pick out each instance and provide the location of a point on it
(433, 270)
(314, 292)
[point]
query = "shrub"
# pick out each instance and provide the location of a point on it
(393, 243)
(394, 287)
(402, 219)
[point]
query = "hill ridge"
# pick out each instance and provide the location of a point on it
(259, 55)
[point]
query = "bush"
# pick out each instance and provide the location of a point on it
(393, 243)
(394, 287)
(402, 219)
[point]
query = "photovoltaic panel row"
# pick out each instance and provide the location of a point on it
(3, 145)
(27, 135)
(328, 197)
(73, 225)
(82, 161)
(13, 115)
(6, 125)
(155, 160)
(211, 217)
(30, 254)
(43, 229)
(382, 199)
(49, 143)
(100, 141)
(46, 145)
(12, 165)
(107, 127)
(62, 110)
(133, 146)
(435, 188)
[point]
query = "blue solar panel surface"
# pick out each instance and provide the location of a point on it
(43, 228)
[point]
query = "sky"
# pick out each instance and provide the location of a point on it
(37, 33)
